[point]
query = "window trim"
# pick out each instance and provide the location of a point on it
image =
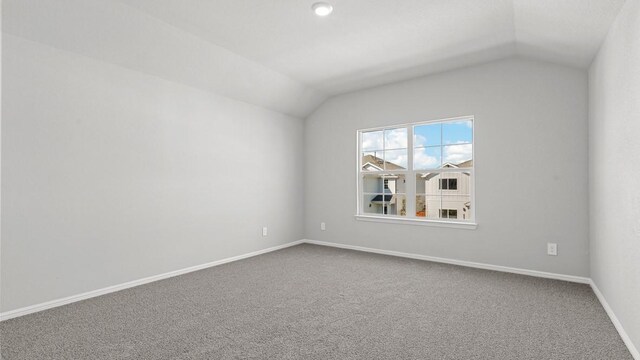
(420, 222)
(411, 219)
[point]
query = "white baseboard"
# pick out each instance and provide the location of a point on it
(614, 319)
(90, 294)
(542, 274)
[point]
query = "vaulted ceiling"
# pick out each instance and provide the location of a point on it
(278, 54)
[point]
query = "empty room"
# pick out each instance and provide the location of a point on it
(320, 179)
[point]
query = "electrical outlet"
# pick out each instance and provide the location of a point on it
(552, 249)
(264, 231)
(323, 226)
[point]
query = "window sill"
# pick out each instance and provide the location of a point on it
(406, 221)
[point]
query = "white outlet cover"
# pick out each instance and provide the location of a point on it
(264, 231)
(323, 226)
(552, 249)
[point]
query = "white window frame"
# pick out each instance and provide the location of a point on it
(411, 218)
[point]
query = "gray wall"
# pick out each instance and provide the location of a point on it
(110, 175)
(614, 169)
(531, 164)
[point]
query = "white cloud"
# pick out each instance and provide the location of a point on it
(456, 154)
(395, 139)
(372, 141)
(422, 160)
(389, 139)
(397, 157)
(419, 140)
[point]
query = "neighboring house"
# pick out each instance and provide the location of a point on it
(438, 195)
(445, 195)
(390, 188)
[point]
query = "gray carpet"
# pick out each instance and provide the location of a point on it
(312, 302)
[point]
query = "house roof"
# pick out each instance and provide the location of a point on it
(378, 162)
(378, 198)
(462, 165)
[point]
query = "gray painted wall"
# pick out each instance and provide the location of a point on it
(530, 158)
(110, 175)
(614, 169)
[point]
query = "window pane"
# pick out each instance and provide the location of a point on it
(398, 205)
(420, 184)
(396, 184)
(375, 203)
(375, 184)
(372, 141)
(384, 194)
(427, 135)
(372, 184)
(428, 195)
(457, 155)
(421, 206)
(427, 158)
(428, 206)
(395, 139)
(395, 159)
(428, 183)
(459, 132)
(458, 201)
(372, 161)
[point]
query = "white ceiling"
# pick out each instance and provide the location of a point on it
(366, 39)
(363, 43)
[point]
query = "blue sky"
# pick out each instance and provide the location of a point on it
(452, 133)
(428, 140)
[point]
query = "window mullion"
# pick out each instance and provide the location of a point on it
(442, 162)
(410, 177)
(360, 175)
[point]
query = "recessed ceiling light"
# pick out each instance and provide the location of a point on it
(322, 8)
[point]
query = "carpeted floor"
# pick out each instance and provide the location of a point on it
(313, 302)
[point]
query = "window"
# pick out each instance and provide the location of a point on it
(449, 184)
(418, 172)
(449, 213)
